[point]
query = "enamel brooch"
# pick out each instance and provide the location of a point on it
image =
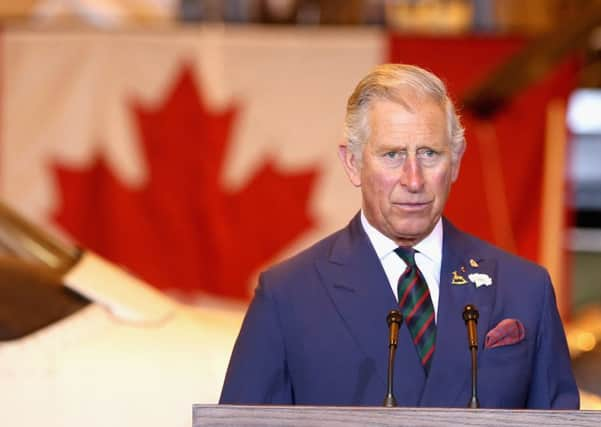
(480, 279)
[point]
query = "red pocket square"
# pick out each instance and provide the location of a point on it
(507, 332)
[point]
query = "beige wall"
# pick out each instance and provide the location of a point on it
(16, 8)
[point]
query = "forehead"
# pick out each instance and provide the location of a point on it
(415, 118)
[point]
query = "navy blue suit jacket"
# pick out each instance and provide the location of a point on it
(316, 334)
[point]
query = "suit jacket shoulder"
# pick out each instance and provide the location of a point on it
(287, 272)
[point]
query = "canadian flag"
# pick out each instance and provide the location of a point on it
(197, 157)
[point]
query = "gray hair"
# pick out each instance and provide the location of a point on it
(385, 82)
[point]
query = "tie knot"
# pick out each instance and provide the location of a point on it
(407, 255)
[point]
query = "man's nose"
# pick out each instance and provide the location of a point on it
(412, 176)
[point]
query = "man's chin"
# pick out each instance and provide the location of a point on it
(411, 234)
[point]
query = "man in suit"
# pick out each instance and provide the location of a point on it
(315, 332)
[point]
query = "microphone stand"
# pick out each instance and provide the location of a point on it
(470, 316)
(394, 320)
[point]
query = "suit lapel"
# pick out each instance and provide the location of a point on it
(358, 287)
(448, 383)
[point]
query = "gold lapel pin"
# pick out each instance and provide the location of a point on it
(458, 279)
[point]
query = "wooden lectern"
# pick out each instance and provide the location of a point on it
(324, 416)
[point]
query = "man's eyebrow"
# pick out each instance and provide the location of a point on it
(392, 147)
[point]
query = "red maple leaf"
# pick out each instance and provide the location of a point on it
(182, 230)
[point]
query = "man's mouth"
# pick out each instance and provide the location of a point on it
(412, 206)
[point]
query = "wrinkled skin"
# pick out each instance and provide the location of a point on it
(405, 170)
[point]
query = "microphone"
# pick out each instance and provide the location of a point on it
(394, 320)
(470, 316)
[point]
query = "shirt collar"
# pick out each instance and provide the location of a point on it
(430, 246)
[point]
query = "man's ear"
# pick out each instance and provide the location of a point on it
(352, 165)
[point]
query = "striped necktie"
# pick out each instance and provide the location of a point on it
(416, 305)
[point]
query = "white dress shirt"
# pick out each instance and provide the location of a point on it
(428, 258)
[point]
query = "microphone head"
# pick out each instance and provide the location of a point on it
(470, 312)
(394, 316)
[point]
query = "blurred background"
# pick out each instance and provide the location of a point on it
(156, 155)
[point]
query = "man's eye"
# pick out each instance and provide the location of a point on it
(428, 153)
(391, 154)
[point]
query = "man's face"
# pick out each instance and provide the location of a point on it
(406, 169)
